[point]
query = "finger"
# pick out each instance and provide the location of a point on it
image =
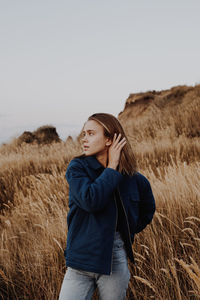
(122, 141)
(118, 138)
(114, 140)
(114, 137)
(121, 144)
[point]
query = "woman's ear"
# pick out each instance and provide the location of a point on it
(109, 142)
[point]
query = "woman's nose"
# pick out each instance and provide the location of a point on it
(84, 138)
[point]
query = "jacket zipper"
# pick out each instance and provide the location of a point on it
(126, 218)
(114, 233)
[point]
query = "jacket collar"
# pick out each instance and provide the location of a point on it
(93, 162)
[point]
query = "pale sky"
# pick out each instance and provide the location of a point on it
(61, 61)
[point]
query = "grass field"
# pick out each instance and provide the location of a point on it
(34, 197)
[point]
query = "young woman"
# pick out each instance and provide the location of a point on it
(109, 201)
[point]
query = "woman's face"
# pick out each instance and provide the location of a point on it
(93, 140)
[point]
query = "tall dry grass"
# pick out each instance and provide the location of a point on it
(34, 197)
(33, 221)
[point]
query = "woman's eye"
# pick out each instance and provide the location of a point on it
(83, 134)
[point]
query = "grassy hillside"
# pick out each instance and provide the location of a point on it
(34, 194)
(155, 115)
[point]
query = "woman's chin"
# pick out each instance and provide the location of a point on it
(86, 152)
(89, 153)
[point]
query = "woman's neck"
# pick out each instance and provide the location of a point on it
(103, 159)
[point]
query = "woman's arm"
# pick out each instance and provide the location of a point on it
(87, 194)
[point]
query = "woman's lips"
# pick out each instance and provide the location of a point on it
(85, 147)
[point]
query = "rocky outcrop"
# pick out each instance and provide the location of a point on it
(43, 135)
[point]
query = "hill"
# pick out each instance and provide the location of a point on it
(175, 111)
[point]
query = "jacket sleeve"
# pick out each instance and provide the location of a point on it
(91, 195)
(147, 203)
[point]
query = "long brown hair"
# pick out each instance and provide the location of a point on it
(111, 125)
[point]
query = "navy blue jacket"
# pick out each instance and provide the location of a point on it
(92, 212)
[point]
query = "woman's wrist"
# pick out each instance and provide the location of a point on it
(112, 166)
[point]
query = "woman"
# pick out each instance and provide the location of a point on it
(109, 201)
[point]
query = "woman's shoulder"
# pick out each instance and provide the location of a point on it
(75, 167)
(141, 178)
(76, 161)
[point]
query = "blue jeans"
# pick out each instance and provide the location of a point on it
(80, 285)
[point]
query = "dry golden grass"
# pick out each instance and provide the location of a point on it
(34, 197)
(33, 223)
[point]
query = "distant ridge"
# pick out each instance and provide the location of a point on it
(138, 103)
(177, 108)
(43, 135)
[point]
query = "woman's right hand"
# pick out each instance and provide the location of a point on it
(114, 151)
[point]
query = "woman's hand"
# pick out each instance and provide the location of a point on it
(114, 151)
